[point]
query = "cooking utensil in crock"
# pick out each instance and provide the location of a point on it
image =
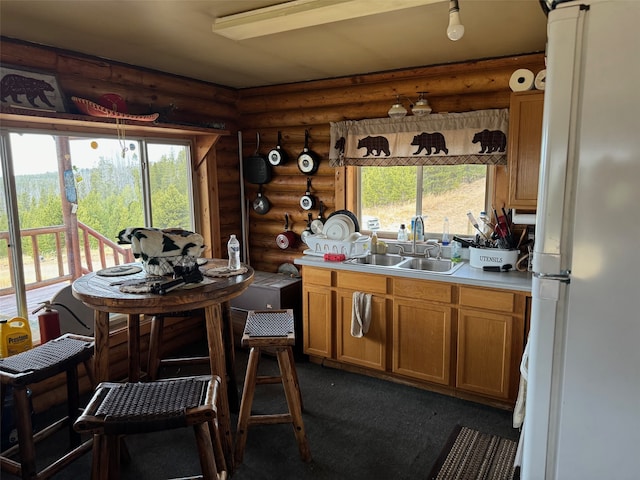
(261, 204)
(307, 160)
(287, 238)
(256, 168)
(318, 224)
(307, 201)
(277, 156)
(308, 230)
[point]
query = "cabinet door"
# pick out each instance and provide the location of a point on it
(422, 340)
(369, 350)
(525, 137)
(484, 352)
(317, 314)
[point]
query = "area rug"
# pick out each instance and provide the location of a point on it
(472, 455)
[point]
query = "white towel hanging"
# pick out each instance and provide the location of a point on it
(360, 314)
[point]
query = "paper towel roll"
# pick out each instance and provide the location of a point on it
(521, 80)
(541, 79)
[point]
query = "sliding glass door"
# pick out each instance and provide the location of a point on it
(65, 198)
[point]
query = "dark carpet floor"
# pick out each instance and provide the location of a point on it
(358, 428)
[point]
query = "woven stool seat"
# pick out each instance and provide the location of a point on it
(62, 354)
(273, 329)
(132, 408)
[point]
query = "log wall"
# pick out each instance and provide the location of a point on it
(294, 108)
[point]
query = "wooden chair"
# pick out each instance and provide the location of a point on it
(273, 329)
(62, 354)
(118, 409)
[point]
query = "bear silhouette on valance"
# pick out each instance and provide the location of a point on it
(439, 139)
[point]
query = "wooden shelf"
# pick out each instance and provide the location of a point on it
(65, 122)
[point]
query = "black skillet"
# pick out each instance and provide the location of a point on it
(256, 168)
(277, 156)
(307, 160)
(307, 201)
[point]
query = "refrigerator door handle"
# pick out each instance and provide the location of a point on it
(563, 276)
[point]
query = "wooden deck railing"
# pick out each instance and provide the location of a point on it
(109, 253)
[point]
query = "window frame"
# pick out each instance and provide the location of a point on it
(353, 199)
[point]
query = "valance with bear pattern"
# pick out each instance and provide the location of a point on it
(478, 137)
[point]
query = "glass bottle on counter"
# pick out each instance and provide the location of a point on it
(403, 234)
(233, 250)
(445, 231)
(374, 243)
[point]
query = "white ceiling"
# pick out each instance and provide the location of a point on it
(176, 36)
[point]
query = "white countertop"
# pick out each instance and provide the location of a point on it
(466, 274)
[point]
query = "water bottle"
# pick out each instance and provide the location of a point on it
(445, 231)
(233, 250)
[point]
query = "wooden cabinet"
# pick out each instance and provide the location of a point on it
(422, 320)
(422, 340)
(459, 339)
(524, 148)
(370, 350)
(317, 312)
(489, 341)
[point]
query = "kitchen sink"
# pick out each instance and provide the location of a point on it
(443, 266)
(435, 265)
(381, 260)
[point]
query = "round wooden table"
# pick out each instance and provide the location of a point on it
(103, 295)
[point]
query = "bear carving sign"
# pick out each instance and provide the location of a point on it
(478, 137)
(36, 91)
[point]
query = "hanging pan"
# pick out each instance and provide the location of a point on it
(318, 224)
(307, 201)
(261, 204)
(287, 238)
(307, 160)
(277, 156)
(257, 168)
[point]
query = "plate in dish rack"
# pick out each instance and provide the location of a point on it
(338, 227)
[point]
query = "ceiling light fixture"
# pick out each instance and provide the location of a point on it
(397, 110)
(419, 109)
(455, 30)
(298, 14)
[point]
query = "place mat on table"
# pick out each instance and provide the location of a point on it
(119, 270)
(223, 272)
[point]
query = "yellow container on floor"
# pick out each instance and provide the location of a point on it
(15, 336)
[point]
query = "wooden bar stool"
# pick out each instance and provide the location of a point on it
(118, 409)
(273, 329)
(157, 359)
(62, 354)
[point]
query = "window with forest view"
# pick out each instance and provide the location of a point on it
(393, 195)
(72, 190)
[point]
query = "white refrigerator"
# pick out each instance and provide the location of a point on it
(582, 417)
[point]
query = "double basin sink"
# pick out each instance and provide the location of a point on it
(443, 266)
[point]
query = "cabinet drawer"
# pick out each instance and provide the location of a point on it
(362, 282)
(423, 290)
(487, 299)
(317, 276)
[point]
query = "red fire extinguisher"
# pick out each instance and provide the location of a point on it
(49, 322)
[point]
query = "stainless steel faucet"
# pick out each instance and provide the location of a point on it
(415, 230)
